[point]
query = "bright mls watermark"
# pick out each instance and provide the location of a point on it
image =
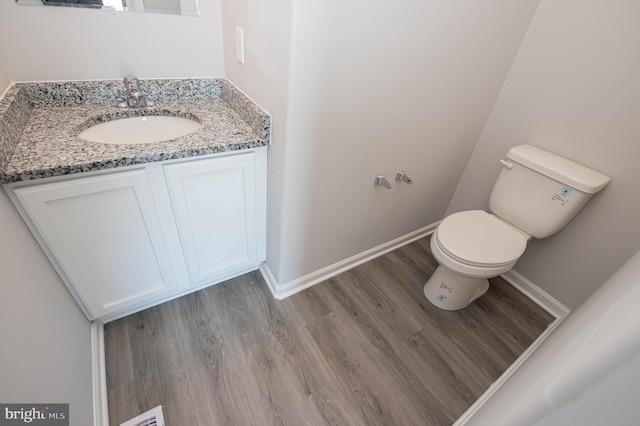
(34, 414)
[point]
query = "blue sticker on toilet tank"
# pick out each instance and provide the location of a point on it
(442, 297)
(562, 196)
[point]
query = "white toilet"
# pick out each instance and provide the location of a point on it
(536, 194)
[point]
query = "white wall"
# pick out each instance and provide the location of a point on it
(376, 88)
(574, 90)
(60, 43)
(46, 345)
(265, 78)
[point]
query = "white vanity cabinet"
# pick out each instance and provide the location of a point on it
(125, 240)
(215, 206)
(105, 236)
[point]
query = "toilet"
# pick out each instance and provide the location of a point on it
(535, 195)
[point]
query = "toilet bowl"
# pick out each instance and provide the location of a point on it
(536, 194)
(470, 247)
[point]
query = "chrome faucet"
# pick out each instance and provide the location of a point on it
(136, 99)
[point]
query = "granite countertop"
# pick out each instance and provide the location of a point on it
(39, 124)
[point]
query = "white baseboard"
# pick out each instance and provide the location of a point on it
(268, 277)
(535, 293)
(281, 291)
(99, 379)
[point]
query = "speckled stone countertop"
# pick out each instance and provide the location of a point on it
(39, 124)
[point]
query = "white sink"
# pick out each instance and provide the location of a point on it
(136, 130)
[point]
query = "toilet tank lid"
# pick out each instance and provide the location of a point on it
(559, 168)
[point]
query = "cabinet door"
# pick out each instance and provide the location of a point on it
(105, 238)
(214, 202)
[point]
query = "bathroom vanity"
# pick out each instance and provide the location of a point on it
(129, 226)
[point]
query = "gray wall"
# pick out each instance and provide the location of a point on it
(574, 90)
(46, 340)
(369, 89)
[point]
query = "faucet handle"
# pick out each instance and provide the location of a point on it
(402, 177)
(135, 98)
(131, 82)
(380, 180)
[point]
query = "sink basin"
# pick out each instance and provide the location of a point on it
(137, 130)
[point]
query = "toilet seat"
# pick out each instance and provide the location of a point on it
(477, 238)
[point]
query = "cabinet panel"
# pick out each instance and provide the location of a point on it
(214, 202)
(104, 233)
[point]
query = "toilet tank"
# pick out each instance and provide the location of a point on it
(539, 192)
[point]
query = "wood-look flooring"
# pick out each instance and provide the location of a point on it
(363, 348)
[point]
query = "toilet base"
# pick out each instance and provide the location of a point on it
(451, 291)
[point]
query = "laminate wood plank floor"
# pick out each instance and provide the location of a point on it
(363, 348)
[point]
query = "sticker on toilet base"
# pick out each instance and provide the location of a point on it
(442, 297)
(443, 286)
